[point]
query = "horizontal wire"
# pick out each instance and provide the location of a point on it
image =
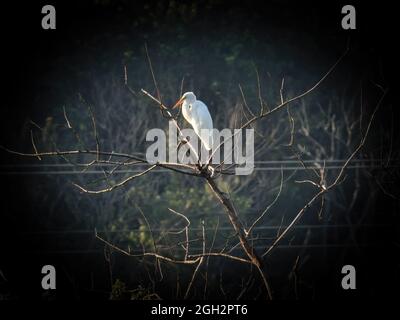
(207, 229)
(256, 162)
(67, 172)
(199, 250)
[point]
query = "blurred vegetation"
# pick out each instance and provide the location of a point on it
(119, 291)
(214, 48)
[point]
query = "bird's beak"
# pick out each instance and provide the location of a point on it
(178, 103)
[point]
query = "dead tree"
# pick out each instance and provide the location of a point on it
(244, 235)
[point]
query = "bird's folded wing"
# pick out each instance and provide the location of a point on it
(203, 125)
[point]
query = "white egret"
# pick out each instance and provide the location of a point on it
(196, 113)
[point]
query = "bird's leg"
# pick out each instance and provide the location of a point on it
(205, 164)
(210, 167)
(203, 153)
(199, 159)
(199, 162)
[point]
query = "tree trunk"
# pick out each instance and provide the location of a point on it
(237, 225)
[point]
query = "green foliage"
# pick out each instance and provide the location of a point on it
(195, 200)
(119, 291)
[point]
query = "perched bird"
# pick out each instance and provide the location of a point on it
(196, 113)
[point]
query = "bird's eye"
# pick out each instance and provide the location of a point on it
(190, 106)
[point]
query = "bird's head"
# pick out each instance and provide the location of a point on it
(189, 97)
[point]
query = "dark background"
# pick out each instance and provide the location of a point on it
(30, 90)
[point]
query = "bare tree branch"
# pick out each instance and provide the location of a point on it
(334, 184)
(115, 186)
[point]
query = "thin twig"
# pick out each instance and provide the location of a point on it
(147, 254)
(154, 78)
(115, 186)
(34, 146)
(182, 216)
(334, 184)
(282, 104)
(248, 232)
(200, 262)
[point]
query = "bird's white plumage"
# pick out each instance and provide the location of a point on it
(196, 113)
